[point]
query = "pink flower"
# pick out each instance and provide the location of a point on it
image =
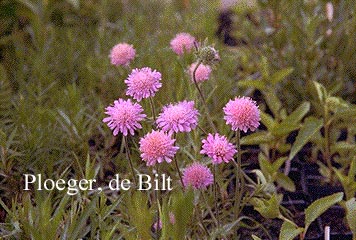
(198, 176)
(180, 117)
(182, 42)
(157, 146)
(201, 74)
(124, 117)
(218, 148)
(143, 83)
(242, 114)
(122, 54)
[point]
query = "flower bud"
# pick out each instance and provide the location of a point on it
(208, 55)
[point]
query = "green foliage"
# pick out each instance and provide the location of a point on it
(182, 208)
(310, 127)
(348, 181)
(351, 215)
(140, 215)
(319, 206)
(289, 231)
(56, 79)
(268, 208)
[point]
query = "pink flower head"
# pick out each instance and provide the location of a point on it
(201, 74)
(122, 54)
(158, 224)
(218, 148)
(143, 83)
(124, 116)
(157, 146)
(198, 176)
(242, 114)
(182, 42)
(180, 117)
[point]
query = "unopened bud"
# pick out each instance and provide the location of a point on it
(208, 55)
(329, 11)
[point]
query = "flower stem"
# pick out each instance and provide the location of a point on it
(240, 180)
(128, 156)
(327, 156)
(202, 97)
(215, 195)
(152, 109)
(209, 209)
(176, 165)
(157, 193)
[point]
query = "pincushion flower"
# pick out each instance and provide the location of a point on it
(143, 83)
(156, 147)
(218, 148)
(124, 116)
(242, 113)
(180, 117)
(122, 54)
(201, 74)
(197, 176)
(182, 42)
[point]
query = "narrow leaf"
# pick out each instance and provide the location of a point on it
(351, 215)
(309, 128)
(280, 75)
(289, 231)
(320, 206)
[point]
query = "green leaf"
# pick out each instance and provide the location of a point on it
(267, 120)
(310, 127)
(285, 182)
(252, 83)
(183, 210)
(273, 102)
(140, 214)
(321, 91)
(284, 128)
(268, 208)
(297, 115)
(289, 231)
(254, 237)
(351, 215)
(280, 75)
(257, 138)
(319, 206)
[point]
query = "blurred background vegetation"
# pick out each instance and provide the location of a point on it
(56, 79)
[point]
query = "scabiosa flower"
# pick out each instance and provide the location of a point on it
(218, 148)
(182, 42)
(122, 54)
(198, 176)
(180, 117)
(242, 114)
(201, 74)
(157, 146)
(124, 116)
(143, 83)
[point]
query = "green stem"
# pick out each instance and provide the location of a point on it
(209, 209)
(128, 156)
(327, 156)
(201, 220)
(157, 193)
(240, 180)
(202, 97)
(215, 195)
(177, 167)
(152, 109)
